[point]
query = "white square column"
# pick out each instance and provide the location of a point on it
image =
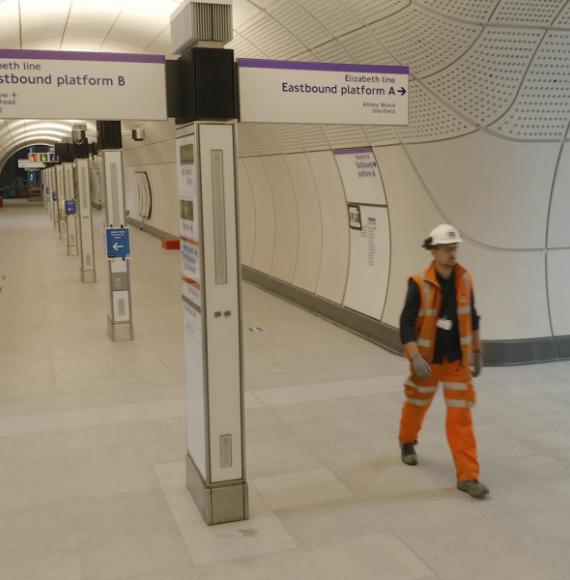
(119, 318)
(60, 189)
(85, 221)
(215, 474)
(70, 220)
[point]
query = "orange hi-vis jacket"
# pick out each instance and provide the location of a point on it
(430, 306)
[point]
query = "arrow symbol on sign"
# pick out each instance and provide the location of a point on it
(116, 246)
(402, 91)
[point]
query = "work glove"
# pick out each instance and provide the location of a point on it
(477, 362)
(422, 368)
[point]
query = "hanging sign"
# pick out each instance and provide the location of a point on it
(277, 91)
(50, 84)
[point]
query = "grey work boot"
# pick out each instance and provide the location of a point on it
(473, 487)
(409, 456)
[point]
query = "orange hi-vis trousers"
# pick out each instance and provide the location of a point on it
(460, 398)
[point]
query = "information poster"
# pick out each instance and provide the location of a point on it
(369, 263)
(360, 175)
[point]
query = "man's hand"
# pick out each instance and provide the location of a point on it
(477, 362)
(422, 368)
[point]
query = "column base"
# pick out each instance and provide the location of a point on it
(218, 503)
(120, 331)
(88, 276)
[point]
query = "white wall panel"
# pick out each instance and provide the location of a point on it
(493, 190)
(246, 215)
(286, 219)
(264, 215)
(559, 229)
(412, 216)
(510, 290)
(558, 272)
(334, 261)
(310, 222)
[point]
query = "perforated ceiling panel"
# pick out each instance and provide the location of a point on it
(476, 11)
(300, 22)
(378, 135)
(286, 138)
(244, 48)
(423, 41)
(312, 138)
(367, 11)
(429, 120)
(365, 48)
(341, 136)
(271, 38)
(483, 84)
(542, 108)
(333, 15)
(332, 52)
(563, 19)
(528, 11)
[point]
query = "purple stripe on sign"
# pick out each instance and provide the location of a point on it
(352, 151)
(322, 66)
(84, 56)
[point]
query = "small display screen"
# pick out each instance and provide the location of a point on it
(187, 154)
(187, 210)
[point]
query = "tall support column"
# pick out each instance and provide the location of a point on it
(215, 462)
(53, 196)
(70, 219)
(60, 189)
(86, 245)
(119, 319)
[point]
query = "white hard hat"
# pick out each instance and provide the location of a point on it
(443, 235)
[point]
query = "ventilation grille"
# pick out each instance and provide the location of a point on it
(200, 21)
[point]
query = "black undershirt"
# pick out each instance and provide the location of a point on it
(447, 347)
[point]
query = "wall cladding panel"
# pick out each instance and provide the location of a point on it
(247, 218)
(558, 272)
(519, 198)
(334, 264)
(412, 217)
(264, 215)
(310, 222)
(286, 219)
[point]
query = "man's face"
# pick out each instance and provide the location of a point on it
(445, 255)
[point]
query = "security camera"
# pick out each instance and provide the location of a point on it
(138, 134)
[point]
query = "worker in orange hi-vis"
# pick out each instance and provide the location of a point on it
(439, 328)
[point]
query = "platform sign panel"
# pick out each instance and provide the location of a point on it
(70, 207)
(44, 84)
(118, 243)
(275, 91)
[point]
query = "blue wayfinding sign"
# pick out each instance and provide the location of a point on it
(70, 207)
(118, 243)
(54, 195)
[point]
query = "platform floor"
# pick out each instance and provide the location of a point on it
(92, 443)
